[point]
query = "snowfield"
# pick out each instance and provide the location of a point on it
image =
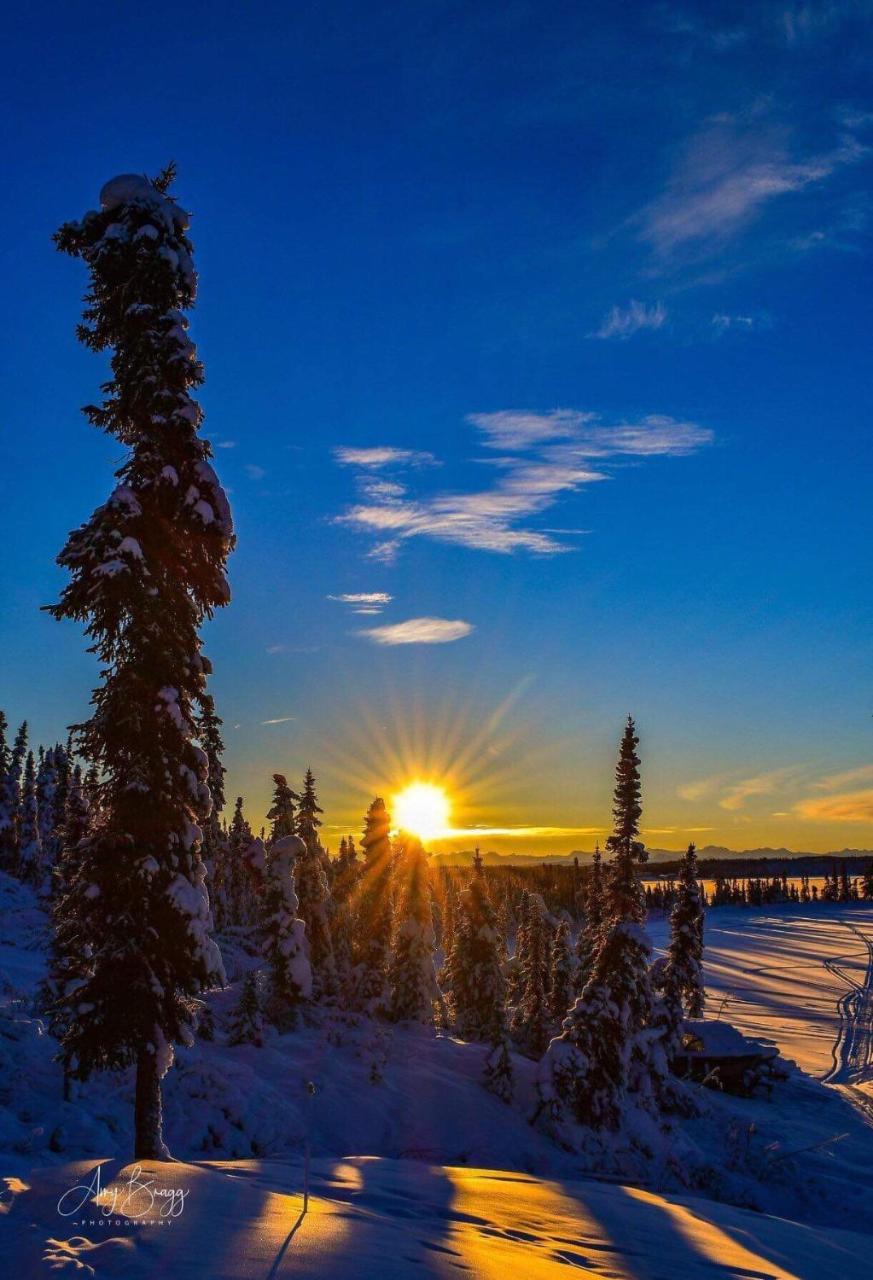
(417, 1169)
(796, 975)
(391, 1219)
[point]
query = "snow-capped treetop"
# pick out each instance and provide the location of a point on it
(130, 188)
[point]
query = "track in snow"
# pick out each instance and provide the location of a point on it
(853, 1050)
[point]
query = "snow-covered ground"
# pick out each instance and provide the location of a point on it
(372, 1217)
(799, 975)
(418, 1170)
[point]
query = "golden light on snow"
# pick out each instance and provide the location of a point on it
(422, 808)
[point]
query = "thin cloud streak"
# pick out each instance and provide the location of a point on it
(383, 456)
(419, 631)
(368, 602)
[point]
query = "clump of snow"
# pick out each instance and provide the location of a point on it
(125, 188)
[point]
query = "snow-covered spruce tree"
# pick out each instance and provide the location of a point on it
(237, 889)
(530, 1022)
(47, 798)
(246, 1024)
(18, 757)
(343, 893)
(374, 913)
(681, 993)
(69, 961)
(8, 801)
(146, 569)
(285, 945)
(601, 1053)
(477, 1001)
(213, 849)
(313, 890)
(308, 810)
(589, 935)
(29, 845)
(684, 969)
(411, 976)
(282, 813)
(560, 973)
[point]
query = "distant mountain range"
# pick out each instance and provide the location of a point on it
(709, 852)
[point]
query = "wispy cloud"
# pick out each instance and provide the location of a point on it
(383, 456)
(807, 21)
(276, 648)
(843, 806)
(725, 176)
(364, 601)
(732, 793)
(225, 444)
(253, 471)
(279, 720)
(419, 631)
(624, 322)
(536, 458)
(837, 781)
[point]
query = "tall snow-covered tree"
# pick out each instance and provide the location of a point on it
(477, 999)
(237, 887)
(531, 1018)
(374, 912)
(589, 935)
(343, 892)
(29, 843)
(412, 979)
(560, 973)
(600, 1054)
(284, 934)
(213, 849)
(69, 961)
(8, 801)
(308, 810)
(282, 812)
(683, 972)
(313, 893)
(146, 569)
(48, 799)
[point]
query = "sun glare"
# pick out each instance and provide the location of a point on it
(423, 809)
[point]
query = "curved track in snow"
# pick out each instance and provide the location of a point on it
(853, 1048)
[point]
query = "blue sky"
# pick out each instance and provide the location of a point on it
(549, 322)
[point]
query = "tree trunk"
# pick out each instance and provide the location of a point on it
(148, 1141)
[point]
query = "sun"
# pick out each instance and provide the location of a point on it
(423, 809)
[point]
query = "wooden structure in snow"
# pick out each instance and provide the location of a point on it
(719, 1055)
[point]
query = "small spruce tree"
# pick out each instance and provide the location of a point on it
(477, 1002)
(29, 843)
(530, 1023)
(560, 973)
(282, 813)
(247, 1017)
(285, 946)
(412, 980)
(589, 935)
(374, 913)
